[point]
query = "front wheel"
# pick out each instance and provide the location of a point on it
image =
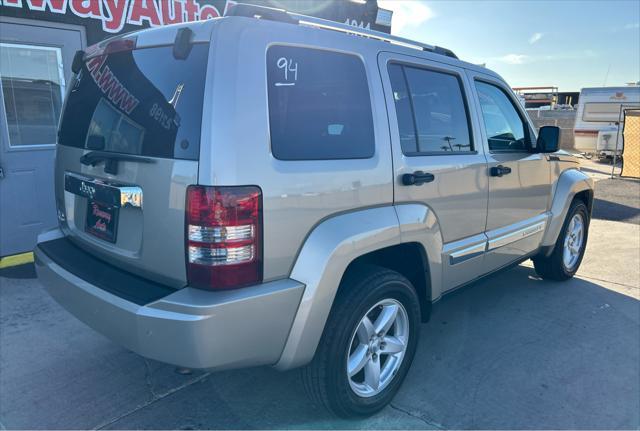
(568, 251)
(367, 345)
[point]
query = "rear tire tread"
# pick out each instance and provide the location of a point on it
(316, 375)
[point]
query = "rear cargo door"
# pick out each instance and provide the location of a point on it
(129, 144)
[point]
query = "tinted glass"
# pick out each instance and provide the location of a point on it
(440, 113)
(32, 88)
(505, 129)
(404, 112)
(142, 102)
(319, 105)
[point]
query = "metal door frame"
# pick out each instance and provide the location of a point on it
(4, 127)
(8, 39)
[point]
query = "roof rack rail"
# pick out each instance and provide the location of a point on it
(281, 15)
(260, 12)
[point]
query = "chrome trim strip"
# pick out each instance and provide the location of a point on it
(467, 253)
(464, 249)
(112, 193)
(517, 235)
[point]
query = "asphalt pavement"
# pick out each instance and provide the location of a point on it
(617, 199)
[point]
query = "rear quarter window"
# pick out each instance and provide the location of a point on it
(319, 105)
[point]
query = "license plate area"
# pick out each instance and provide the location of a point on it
(102, 220)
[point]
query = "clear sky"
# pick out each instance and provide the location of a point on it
(569, 44)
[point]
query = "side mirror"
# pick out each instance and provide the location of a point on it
(95, 142)
(548, 139)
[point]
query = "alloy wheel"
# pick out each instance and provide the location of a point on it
(573, 242)
(377, 347)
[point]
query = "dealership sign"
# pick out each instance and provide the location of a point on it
(114, 14)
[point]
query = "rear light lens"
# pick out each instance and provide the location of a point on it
(224, 236)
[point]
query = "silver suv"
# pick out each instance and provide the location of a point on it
(291, 192)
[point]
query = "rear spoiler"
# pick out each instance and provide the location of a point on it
(181, 48)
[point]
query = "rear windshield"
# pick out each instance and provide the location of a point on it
(143, 102)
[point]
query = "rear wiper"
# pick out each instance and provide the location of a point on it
(111, 160)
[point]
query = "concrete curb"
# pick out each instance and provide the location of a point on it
(15, 260)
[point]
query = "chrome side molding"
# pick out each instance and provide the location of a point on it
(111, 193)
(517, 235)
(467, 253)
(468, 248)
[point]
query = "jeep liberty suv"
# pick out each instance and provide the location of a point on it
(293, 192)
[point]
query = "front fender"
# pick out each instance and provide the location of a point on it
(570, 183)
(324, 257)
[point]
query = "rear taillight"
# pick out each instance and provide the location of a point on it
(223, 236)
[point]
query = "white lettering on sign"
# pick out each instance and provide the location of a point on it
(290, 71)
(355, 23)
(114, 14)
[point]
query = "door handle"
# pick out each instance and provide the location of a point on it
(498, 171)
(417, 178)
(1, 173)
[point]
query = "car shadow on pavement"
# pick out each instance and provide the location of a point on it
(607, 210)
(27, 270)
(511, 351)
(617, 199)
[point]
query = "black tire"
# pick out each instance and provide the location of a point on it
(325, 378)
(552, 267)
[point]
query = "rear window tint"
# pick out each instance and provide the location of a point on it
(431, 110)
(143, 102)
(319, 105)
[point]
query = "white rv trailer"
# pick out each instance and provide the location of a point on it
(600, 118)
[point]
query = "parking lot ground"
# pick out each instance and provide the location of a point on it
(511, 351)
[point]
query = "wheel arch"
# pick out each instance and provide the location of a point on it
(408, 259)
(572, 184)
(353, 238)
(586, 196)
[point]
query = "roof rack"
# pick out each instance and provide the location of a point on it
(281, 15)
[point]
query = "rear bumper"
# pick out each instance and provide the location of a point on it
(189, 327)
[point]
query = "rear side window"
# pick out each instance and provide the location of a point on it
(404, 111)
(143, 102)
(319, 105)
(431, 110)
